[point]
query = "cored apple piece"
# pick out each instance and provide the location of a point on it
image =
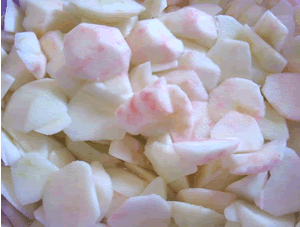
(227, 27)
(6, 82)
(104, 43)
(249, 187)
(284, 189)
(149, 210)
(52, 44)
(189, 215)
(158, 187)
(80, 201)
(211, 9)
(150, 40)
(281, 91)
(205, 150)
(13, 18)
(153, 8)
(231, 95)
(9, 152)
(186, 23)
(214, 200)
(252, 15)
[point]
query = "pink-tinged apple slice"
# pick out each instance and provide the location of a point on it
(146, 109)
(252, 15)
(237, 94)
(164, 66)
(205, 150)
(103, 42)
(227, 27)
(257, 162)
(153, 9)
(214, 200)
(189, 82)
(189, 215)
(52, 43)
(117, 200)
(208, 72)
(150, 40)
(6, 82)
(241, 126)
(130, 150)
(13, 18)
(282, 184)
(202, 122)
(211, 9)
(239, 64)
(281, 91)
(169, 165)
(272, 30)
(79, 207)
(249, 187)
(158, 187)
(192, 23)
(273, 126)
(146, 211)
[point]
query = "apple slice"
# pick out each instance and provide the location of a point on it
(169, 165)
(286, 99)
(103, 186)
(30, 175)
(209, 8)
(180, 184)
(289, 168)
(13, 18)
(158, 187)
(189, 215)
(208, 72)
(8, 191)
(249, 187)
(35, 105)
(206, 150)
(6, 82)
(238, 7)
(282, 7)
(259, 75)
(164, 66)
(52, 43)
(214, 200)
(252, 15)
(117, 200)
(273, 126)
(149, 210)
(61, 157)
(153, 8)
(150, 40)
(85, 152)
(126, 183)
(143, 173)
(231, 213)
(239, 64)
(9, 152)
(290, 52)
(39, 214)
(191, 45)
(227, 27)
(269, 58)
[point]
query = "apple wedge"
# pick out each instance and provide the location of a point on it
(9, 152)
(153, 8)
(158, 187)
(189, 215)
(149, 210)
(61, 157)
(52, 43)
(286, 99)
(13, 18)
(35, 105)
(227, 27)
(80, 206)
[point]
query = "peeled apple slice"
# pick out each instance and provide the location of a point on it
(52, 44)
(79, 207)
(227, 27)
(34, 105)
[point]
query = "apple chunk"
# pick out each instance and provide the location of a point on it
(227, 27)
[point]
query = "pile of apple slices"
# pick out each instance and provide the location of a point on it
(151, 113)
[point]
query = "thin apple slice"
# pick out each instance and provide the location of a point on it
(103, 186)
(227, 27)
(252, 15)
(169, 166)
(39, 214)
(249, 187)
(9, 152)
(180, 184)
(52, 43)
(209, 8)
(214, 200)
(6, 82)
(153, 8)
(150, 40)
(143, 173)
(81, 201)
(273, 126)
(206, 150)
(117, 200)
(158, 187)
(288, 173)
(281, 91)
(34, 105)
(149, 210)
(13, 18)
(239, 64)
(189, 215)
(186, 23)
(126, 183)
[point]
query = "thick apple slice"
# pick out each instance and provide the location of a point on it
(169, 165)
(281, 91)
(214, 200)
(80, 206)
(189, 215)
(35, 105)
(249, 187)
(288, 173)
(150, 40)
(186, 23)
(239, 64)
(208, 72)
(103, 186)
(13, 18)
(272, 30)
(30, 174)
(149, 210)
(39, 214)
(282, 7)
(158, 187)
(52, 43)
(252, 15)
(153, 8)
(6, 82)
(206, 150)
(227, 27)
(126, 183)
(90, 65)
(9, 152)
(268, 57)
